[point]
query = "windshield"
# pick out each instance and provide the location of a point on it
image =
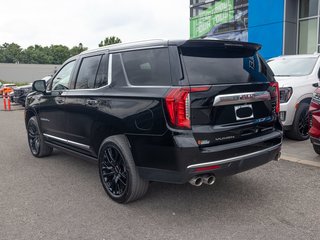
(205, 65)
(292, 66)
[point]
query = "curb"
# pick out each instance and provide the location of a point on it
(301, 161)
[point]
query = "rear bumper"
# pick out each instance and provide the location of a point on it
(228, 159)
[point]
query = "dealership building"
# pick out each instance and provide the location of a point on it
(280, 26)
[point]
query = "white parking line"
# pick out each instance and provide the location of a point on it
(301, 161)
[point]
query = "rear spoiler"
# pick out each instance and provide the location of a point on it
(219, 44)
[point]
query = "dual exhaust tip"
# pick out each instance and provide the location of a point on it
(199, 180)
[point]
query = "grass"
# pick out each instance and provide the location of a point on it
(18, 84)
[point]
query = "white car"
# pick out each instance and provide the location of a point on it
(298, 77)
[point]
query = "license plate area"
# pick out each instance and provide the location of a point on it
(243, 112)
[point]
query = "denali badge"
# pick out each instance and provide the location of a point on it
(224, 138)
(243, 112)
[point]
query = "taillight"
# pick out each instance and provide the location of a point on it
(178, 105)
(275, 95)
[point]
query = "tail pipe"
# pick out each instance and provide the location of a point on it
(209, 179)
(196, 181)
(199, 180)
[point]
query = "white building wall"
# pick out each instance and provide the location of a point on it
(20, 73)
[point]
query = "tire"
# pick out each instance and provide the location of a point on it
(118, 173)
(316, 148)
(300, 126)
(36, 142)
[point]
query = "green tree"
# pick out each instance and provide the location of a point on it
(59, 53)
(77, 49)
(109, 41)
(10, 53)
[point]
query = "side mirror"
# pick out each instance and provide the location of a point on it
(39, 86)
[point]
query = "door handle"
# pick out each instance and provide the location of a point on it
(315, 85)
(92, 102)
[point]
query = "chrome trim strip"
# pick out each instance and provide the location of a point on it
(80, 145)
(56, 138)
(110, 69)
(233, 159)
(238, 98)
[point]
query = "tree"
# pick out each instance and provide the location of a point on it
(59, 53)
(77, 49)
(109, 41)
(55, 54)
(10, 53)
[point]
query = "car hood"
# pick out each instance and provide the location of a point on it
(25, 87)
(292, 81)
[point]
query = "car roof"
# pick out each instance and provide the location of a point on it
(164, 43)
(316, 55)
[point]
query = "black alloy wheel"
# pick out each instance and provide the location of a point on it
(114, 172)
(34, 138)
(118, 173)
(300, 126)
(303, 126)
(37, 145)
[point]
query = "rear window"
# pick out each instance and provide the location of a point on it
(292, 66)
(148, 67)
(222, 65)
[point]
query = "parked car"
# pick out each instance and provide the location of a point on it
(11, 97)
(7, 86)
(166, 111)
(314, 121)
(298, 76)
(235, 30)
(20, 93)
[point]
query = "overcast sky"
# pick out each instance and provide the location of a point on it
(46, 22)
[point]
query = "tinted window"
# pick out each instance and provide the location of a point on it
(222, 66)
(88, 72)
(117, 70)
(62, 79)
(102, 76)
(148, 67)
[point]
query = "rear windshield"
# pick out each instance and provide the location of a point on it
(223, 65)
(292, 66)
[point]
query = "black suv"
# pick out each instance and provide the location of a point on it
(167, 111)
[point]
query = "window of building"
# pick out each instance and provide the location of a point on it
(88, 72)
(308, 8)
(308, 40)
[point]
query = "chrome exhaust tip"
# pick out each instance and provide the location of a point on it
(209, 179)
(196, 181)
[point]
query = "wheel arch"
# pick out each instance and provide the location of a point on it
(29, 113)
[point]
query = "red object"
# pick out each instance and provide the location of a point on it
(202, 169)
(4, 102)
(178, 105)
(314, 115)
(9, 103)
(276, 94)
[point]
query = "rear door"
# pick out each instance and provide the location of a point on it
(83, 100)
(240, 100)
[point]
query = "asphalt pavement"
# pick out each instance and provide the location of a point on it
(60, 197)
